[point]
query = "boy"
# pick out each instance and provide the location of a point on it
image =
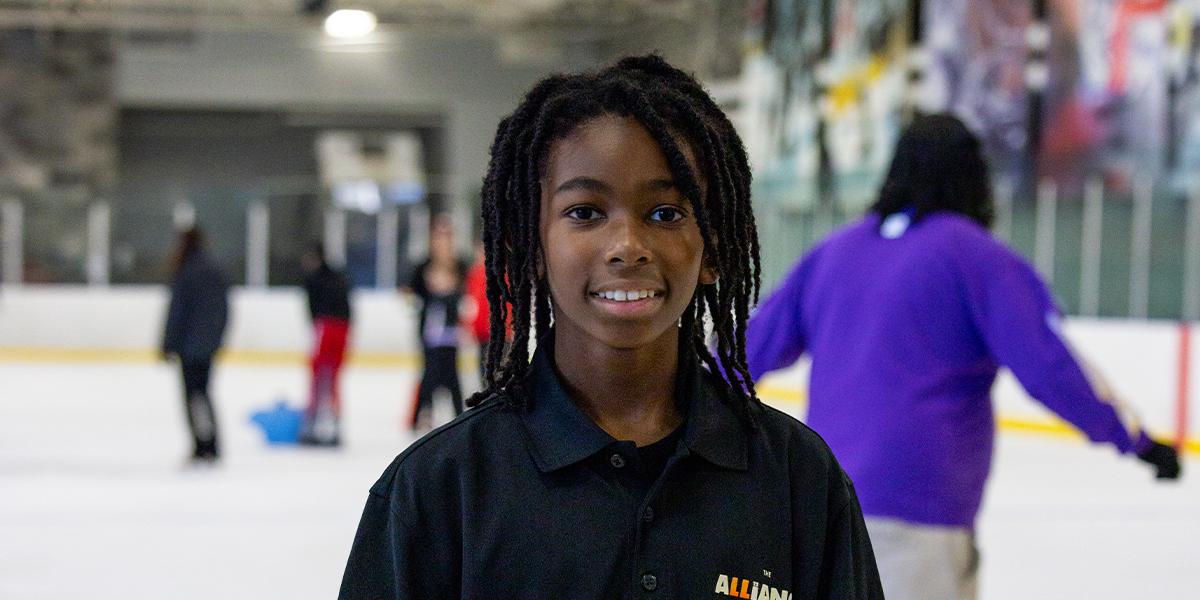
(620, 462)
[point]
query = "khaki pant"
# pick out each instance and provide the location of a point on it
(924, 562)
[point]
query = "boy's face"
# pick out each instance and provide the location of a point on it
(614, 226)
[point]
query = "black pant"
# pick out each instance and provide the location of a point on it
(441, 372)
(202, 421)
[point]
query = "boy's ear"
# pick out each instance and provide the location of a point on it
(708, 273)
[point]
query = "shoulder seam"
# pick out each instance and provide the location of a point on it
(467, 416)
(805, 426)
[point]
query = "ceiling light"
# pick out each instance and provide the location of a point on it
(348, 23)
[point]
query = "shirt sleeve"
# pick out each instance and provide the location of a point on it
(393, 560)
(850, 571)
(311, 291)
(775, 334)
(179, 309)
(372, 571)
(417, 282)
(1020, 325)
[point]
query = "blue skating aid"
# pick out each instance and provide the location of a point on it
(280, 424)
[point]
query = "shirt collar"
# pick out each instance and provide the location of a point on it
(563, 435)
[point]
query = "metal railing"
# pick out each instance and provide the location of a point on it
(1116, 254)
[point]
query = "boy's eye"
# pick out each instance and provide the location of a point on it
(583, 213)
(667, 214)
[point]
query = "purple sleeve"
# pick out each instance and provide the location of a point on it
(775, 334)
(1019, 323)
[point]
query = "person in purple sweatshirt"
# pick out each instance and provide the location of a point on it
(907, 315)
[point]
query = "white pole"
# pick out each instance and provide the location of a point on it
(335, 237)
(1004, 209)
(258, 229)
(12, 242)
(1093, 234)
(464, 243)
(418, 233)
(1139, 249)
(1191, 259)
(822, 221)
(1047, 211)
(99, 239)
(387, 244)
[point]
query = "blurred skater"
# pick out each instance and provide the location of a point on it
(907, 315)
(438, 283)
(195, 324)
(329, 306)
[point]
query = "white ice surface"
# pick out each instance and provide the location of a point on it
(95, 502)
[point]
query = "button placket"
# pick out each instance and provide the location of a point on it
(649, 582)
(617, 461)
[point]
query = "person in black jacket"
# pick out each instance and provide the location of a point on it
(438, 283)
(195, 325)
(329, 306)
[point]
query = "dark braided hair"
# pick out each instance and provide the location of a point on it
(675, 110)
(938, 166)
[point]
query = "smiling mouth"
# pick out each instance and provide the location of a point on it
(626, 295)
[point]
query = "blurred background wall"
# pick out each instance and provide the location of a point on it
(123, 121)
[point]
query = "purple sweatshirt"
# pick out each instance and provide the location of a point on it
(906, 332)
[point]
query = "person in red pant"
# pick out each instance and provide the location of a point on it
(478, 319)
(329, 305)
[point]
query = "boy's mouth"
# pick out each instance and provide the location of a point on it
(625, 295)
(634, 301)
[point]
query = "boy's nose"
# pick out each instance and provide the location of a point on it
(627, 246)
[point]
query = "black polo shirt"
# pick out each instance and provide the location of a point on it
(542, 503)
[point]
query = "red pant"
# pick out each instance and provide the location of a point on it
(329, 351)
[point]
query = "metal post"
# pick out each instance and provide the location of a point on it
(1047, 211)
(1139, 249)
(1191, 259)
(1089, 252)
(12, 242)
(99, 234)
(1005, 189)
(258, 229)
(334, 236)
(462, 229)
(1037, 78)
(418, 233)
(387, 242)
(822, 221)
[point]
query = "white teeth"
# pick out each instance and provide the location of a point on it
(626, 295)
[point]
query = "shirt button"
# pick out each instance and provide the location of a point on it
(617, 461)
(649, 582)
(648, 514)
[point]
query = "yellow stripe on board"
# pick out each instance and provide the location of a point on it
(775, 394)
(784, 395)
(405, 360)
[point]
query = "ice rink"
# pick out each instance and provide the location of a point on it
(95, 502)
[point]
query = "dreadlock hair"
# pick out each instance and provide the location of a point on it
(938, 166)
(675, 110)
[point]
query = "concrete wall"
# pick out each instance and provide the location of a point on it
(460, 77)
